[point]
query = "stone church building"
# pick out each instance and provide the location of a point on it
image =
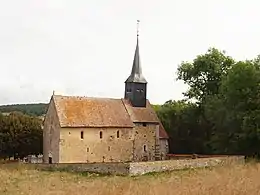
(89, 129)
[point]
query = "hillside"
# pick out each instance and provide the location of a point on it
(30, 109)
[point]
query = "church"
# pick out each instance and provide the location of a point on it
(93, 129)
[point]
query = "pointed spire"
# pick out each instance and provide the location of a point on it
(136, 74)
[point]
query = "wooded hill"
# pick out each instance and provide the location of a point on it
(29, 109)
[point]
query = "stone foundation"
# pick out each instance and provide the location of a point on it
(140, 168)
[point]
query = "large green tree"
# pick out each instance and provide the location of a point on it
(20, 135)
(225, 118)
(203, 75)
(235, 111)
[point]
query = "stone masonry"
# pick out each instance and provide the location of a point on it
(140, 168)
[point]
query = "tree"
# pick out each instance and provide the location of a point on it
(181, 121)
(204, 74)
(20, 135)
(235, 111)
(226, 116)
(29, 109)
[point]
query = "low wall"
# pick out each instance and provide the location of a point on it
(104, 168)
(140, 168)
(193, 156)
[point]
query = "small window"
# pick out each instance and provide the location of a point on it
(117, 134)
(100, 134)
(108, 148)
(50, 160)
(128, 90)
(82, 135)
(144, 148)
(144, 124)
(87, 149)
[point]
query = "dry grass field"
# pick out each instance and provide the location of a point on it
(240, 179)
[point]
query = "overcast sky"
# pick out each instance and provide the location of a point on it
(83, 47)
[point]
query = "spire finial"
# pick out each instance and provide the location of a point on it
(138, 21)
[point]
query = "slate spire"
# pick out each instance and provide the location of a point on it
(136, 84)
(136, 74)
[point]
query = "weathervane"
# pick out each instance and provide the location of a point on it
(138, 21)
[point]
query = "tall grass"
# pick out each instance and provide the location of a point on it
(239, 179)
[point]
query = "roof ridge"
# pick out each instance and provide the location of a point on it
(87, 97)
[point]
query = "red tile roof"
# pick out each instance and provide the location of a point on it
(91, 112)
(140, 114)
(75, 111)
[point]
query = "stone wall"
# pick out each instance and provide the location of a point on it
(133, 144)
(114, 145)
(103, 168)
(144, 141)
(164, 148)
(139, 168)
(51, 135)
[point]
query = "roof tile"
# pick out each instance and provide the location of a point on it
(140, 114)
(76, 111)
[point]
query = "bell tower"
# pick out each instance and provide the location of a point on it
(136, 84)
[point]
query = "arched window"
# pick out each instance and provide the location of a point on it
(117, 134)
(100, 134)
(144, 148)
